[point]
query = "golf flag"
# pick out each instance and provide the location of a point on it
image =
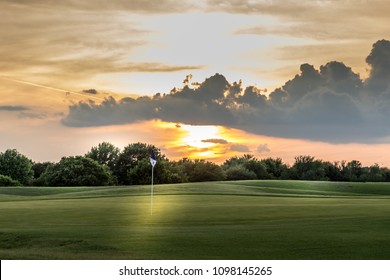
(153, 160)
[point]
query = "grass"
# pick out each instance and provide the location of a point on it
(221, 220)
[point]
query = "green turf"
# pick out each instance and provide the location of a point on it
(222, 220)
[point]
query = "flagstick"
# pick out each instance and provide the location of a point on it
(153, 162)
(151, 195)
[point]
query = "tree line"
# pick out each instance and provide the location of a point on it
(106, 165)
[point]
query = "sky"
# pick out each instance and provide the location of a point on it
(200, 79)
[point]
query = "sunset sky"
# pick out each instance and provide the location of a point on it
(199, 79)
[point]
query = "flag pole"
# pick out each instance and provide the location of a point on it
(153, 162)
(151, 195)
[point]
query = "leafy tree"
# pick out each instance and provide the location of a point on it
(164, 173)
(274, 167)
(333, 171)
(238, 160)
(206, 171)
(175, 173)
(200, 170)
(351, 171)
(355, 169)
(386, 174)
(288, 174)
(248, 162)
(257, 167)
(130, 157)
(105, 153)
(8, 181)
(308, 168)
(374, 173)
(16, 166)
(77, 171)
(140, 174)
(39, 168)
(105, 164)
(239, 172)
(187, 166)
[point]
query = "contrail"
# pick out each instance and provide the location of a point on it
(49, 87)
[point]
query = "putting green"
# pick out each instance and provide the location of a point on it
(218, 220)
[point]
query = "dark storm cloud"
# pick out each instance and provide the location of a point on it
(12, 108)
(215, 141)
(90, 91)
(23, 112)
(195, 106)
(379, 61)
(331, 104)
(240, 148)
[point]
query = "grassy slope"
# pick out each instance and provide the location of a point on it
(223, 220)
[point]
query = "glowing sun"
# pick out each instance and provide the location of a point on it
(199, 136)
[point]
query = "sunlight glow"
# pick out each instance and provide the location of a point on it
(204, 141)
(206, 154)
(196, 135)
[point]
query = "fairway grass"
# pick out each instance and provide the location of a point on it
(216, 220)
